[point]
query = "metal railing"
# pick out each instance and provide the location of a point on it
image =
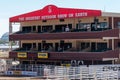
(96, 72)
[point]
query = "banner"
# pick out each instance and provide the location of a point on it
(54, 12)
(17, 72)
(42, 55)
(29, 73)
(22, 55)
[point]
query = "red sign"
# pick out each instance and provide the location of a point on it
(53, 12)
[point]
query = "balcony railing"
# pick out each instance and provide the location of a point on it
(67, 35)
(57, 31)
(73, 49)
(67, 55)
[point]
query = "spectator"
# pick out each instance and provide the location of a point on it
(67, 29)
(50, 48)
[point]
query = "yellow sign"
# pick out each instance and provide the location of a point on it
(67, 65)
(17, 73)
(42, 55)
(22, 55)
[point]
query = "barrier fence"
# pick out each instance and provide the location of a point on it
(91, 72)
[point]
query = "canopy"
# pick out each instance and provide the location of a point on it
(53, 12)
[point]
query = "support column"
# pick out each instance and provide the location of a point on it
(10, 32)
(74, 24)
(112, 22)
(113, 44)
(113, 61)
(96, 45)
(119, 33)
(92, 62)
(108, 44)
(53, 27)
(90, 44)
(20, 44)
(10, 27)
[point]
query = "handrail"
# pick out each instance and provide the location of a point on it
(57, 31)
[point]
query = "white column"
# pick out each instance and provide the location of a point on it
(54, 27)
(10, 32)
(113, 62)
(10, 27)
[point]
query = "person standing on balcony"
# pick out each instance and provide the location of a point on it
(67, 29)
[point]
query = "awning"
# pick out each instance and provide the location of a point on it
(53, 12)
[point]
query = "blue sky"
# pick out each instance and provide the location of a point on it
(9, 8)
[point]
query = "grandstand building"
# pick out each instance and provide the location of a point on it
(56, 36)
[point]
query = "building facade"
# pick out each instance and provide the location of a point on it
(56, 36)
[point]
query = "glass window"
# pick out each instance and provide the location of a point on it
(83, 25)
(103, 25)
(118, 24)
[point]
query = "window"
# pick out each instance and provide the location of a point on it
(118, 44)
(26, 28)
(34, 45)
(83, 25)
(34, 28)
(46, 28)
(118, 24)
(26, 46)
(103, 25)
